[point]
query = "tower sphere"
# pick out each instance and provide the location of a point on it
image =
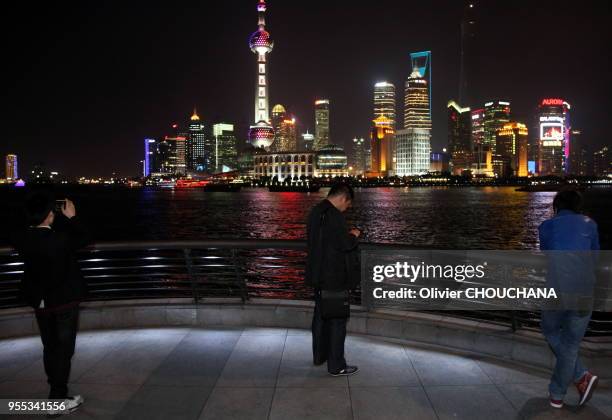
(260, 42)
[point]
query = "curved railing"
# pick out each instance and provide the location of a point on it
(235, 268)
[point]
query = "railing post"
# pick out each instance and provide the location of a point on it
(244, 295)
(191, 273)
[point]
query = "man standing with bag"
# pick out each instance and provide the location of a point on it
(331, 271)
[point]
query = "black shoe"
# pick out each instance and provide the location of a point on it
(347, 371)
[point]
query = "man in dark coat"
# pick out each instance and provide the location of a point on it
(330, 267)
(53, 285)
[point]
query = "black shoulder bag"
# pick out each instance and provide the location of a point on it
(333, 303)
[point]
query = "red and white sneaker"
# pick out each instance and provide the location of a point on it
(585, 386)
(556, 403)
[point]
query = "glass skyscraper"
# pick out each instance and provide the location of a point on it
(321, 123)
(496, 115)
(413, 151)
(384, 101)
(198, 150)
(226, 151)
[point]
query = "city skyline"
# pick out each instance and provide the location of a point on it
(72, 91)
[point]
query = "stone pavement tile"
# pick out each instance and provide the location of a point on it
(264, 331)
(197, 360)
(254, 362)
(531, 401)
(101, 401)
(164, 402)
(238, 404)
(311, 403)
(470, 402)
(437, 368)
(297, 370)
(502, 372)
(24, 389)
(299, 331)
(91, 347)
(18, 354)
(391, 403)
(380, 363)
(135, 358)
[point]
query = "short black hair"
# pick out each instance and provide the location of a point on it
(341, 188)
(37, 207)
(568, 200)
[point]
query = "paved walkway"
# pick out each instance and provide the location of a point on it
(183, 373)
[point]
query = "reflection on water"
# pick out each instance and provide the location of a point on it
(438, 217)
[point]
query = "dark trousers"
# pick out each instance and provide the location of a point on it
(328, 339)
(58, 333)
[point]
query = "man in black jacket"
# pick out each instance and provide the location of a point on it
(53, 285)
(329, 268)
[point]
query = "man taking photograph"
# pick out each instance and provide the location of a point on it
(53, 285)
(330, 270)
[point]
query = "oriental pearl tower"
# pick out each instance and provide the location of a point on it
(261, 134)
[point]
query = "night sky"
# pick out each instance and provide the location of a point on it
(86, 82)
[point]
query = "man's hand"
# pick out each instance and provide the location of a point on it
(68, 209)
(355, 232)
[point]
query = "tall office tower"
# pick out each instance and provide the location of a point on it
(417, 99)
(477, 129)
(459, 137)
(381, 141)
(579, 155)
(602, 162)
(261, 134)
(199, 153)
(287, 136)
(307, 141)
(226, 148)
(278, 115)
(11, 168)
(512, 149)
(367, 148)
(358, 156)
(148, 164)
(413, 151)
(176, 156)
(554, 131)
(384, 101)
(321, 123)
(468, 37)
(496, 114)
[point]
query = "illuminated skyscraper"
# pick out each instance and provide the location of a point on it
(226, 150)
(384, 101)
(287, 136)
(417, 113)
(602, 162)
(359, 155)
(459, 137)
(176, 162)
(11, 168)
(278, 115)
(321, 123)
(199, 151)
(417, 99)
(496, 114)
(261, 134)
(554, 135)
(512, 146)
(579, 155)
(149, 157)
(413, 151)
(381, 139)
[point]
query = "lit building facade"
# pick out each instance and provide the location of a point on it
(358, 156)
(331, 162)
(261, 134)
(554, 136)
(579, 155)
(413, 151)
(199, 151)
(496, 115)
(512, 149)
(175, 162)
(148, 163)
(307, 141)
(477, 127)
(226, 148)
(459, 137)
(321, 123)
(279, 113)
(384, 101)
(382, 146)
(417, 112)
(11, 167)
(282, 165)
(287, 136)
(602, 162)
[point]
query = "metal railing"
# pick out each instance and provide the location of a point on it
(235, 268)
